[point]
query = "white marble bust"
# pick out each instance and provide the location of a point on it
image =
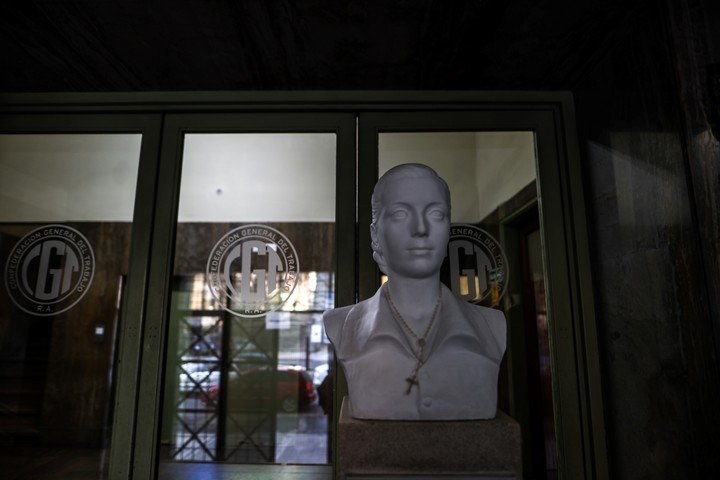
(415, 351)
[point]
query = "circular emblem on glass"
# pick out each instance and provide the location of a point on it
(252, 270)
(49, 270)
(476, 265)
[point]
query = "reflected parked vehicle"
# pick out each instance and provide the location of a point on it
(288, 389)
(319, 374)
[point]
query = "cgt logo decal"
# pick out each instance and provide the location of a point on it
(476, 265)
(252, 270)
(49, 270)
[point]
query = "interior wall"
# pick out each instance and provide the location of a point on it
(221, 172)
(86, 177)
(483, 169)
(79, 177)
(505, 163)
(450, 154)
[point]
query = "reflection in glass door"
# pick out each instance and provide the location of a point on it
(538, 354)
(254, 268)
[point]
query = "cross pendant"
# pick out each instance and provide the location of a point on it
(412, 380)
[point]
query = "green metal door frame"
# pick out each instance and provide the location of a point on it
(581, 431)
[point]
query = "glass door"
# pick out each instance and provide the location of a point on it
(497, 165)
(72, 243)
(262, 223)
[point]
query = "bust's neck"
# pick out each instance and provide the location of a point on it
(415, 298)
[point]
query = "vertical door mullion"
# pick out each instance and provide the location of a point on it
(167, 190)
(134, 304)
(570, 414)
(345, 201)
(345, 248)
(368, 135)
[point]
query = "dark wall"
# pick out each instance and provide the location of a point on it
(655, 329)
(696, 52)
(638, 71)
(86, 45)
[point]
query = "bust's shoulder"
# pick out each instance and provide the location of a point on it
(357, 318)
(334, 320)
(493, 316)
(335, 315)
(486, 320)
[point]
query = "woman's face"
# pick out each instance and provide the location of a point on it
(413, 229)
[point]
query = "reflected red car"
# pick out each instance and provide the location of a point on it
(287, 389)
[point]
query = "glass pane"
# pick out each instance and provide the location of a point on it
(254, 270)
(66, 204)
(493, 260)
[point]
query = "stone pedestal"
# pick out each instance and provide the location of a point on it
(469, 449)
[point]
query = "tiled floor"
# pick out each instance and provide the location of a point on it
(42, 463)
(187, 471)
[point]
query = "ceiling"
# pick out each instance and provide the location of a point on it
(133, 45)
